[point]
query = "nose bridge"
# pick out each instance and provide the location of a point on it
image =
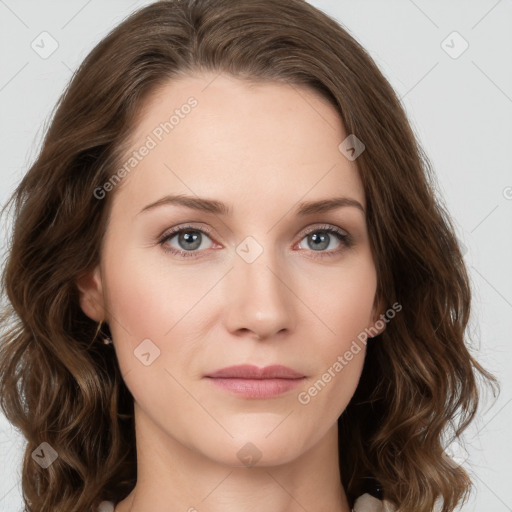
(257, 297)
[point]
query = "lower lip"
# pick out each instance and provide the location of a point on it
(256, 388)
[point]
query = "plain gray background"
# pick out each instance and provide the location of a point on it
(459, 104)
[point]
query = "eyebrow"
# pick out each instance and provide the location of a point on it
(220, 208)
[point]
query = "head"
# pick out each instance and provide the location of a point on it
(257, 122)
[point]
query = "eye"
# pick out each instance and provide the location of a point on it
(188, 238)
(320, 238)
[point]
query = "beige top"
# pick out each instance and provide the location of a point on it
(368, 503)
(105, 506)
(365, 503)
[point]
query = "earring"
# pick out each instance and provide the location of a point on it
(107, 340)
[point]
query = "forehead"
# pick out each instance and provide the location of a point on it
(215, 134)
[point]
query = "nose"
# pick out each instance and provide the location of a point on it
(259, 297)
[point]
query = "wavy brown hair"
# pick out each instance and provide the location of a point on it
(61, 386)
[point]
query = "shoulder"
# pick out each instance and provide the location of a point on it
(368, 503)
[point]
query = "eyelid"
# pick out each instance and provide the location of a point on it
(321, 227)
(176, 229)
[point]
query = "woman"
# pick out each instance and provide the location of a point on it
(210, 163)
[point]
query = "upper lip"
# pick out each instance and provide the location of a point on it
(248, 371)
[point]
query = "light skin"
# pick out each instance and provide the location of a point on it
(262, 149)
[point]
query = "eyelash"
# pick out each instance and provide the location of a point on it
(345, 239)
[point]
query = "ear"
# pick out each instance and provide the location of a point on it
(90, 290)
(378, 324)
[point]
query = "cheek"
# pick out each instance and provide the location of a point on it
(135, 298)
(345, 307)
(168, 306)
(148, 299)
(342, 302)
(135, 303)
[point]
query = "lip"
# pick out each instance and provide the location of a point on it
(249, 371)
(252, 382)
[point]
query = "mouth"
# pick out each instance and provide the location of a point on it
(256, 388)
(250, 381)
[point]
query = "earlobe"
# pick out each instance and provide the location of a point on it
(90, 291)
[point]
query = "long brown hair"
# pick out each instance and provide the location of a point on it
(61, 386)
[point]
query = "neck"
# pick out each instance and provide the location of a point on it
(168, 472)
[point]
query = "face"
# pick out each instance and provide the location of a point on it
(262, 280)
